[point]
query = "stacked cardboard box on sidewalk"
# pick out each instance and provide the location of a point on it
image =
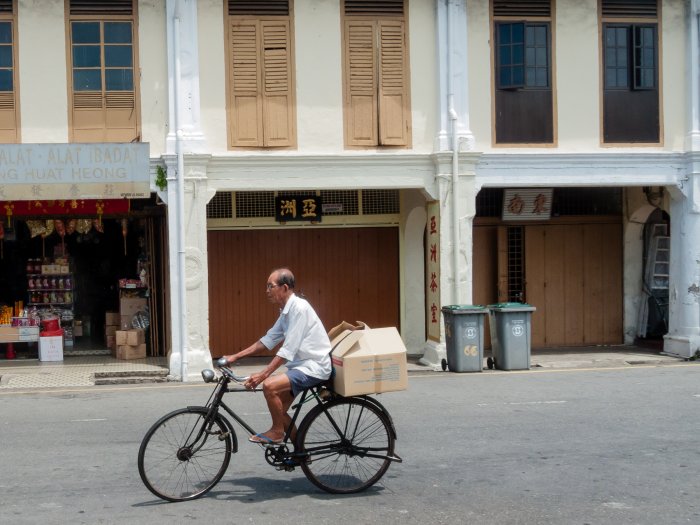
(111, 327)
(131, 344)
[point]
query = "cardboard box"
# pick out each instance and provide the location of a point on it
(131, 352)
(110, 329)
(121, 337)
(131, 305)
(369, 361)
(18, 334)
(112, 318)
(135, 337)
(51, 348)
(111, 342)
(125, 322)
(78, 330)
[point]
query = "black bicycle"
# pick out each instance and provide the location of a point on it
(343, 444)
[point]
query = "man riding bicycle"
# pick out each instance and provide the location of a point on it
(305, 351)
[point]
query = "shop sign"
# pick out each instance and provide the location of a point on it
(432, 264)
(298, 208)
(527, 204)
(74, 171)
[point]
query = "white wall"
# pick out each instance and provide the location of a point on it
(153, 64)
(43, 88)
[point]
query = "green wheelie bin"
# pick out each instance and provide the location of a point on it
(510, 335)
(464, 334)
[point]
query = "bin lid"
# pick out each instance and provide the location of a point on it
(460, 309)
(512, 307)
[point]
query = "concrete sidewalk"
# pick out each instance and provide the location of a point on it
(91, 370)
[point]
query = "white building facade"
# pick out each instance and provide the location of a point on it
(410, 125)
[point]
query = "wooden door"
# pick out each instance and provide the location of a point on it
(574, 278)
(345, 273)
(485, 271)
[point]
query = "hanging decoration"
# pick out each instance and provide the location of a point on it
(36, 228)
(125, 231)
(48, 230)
(97, 224)
(82, 226)
(9, 210)
(100, 209)
(60, 228)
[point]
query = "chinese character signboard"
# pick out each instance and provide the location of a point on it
(432, 266)
(298, 208)
(527, 204)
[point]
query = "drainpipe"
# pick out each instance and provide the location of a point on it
(180, 194)
(455, 151)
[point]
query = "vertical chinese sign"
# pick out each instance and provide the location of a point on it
(432, 266)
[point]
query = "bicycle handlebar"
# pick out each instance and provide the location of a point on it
(222, 365)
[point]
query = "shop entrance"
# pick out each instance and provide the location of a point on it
(80, 269)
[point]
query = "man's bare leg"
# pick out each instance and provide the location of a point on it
(278, 394)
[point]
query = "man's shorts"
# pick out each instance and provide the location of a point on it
(299, 380)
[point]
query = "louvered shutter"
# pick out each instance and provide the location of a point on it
(88, 116)
(361, 84)
(246, 106)
(393, 103)
(276, 84)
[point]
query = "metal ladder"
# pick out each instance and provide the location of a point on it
(656, 277)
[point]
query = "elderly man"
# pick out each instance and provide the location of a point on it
(305, 351)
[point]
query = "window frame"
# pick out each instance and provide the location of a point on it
(632, 65)
(524, 64)
(612, 132)
(102, 19)
(11, 17)
(380, 137)
(260, 19)
(545, 133)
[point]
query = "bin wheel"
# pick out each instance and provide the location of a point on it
(490, 362)
(444, 365)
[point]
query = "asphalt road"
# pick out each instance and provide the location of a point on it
(579, 446)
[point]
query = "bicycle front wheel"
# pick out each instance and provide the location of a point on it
(182, 456)
(346, 445)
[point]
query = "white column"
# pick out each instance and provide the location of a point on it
(197, 195)
(683, 338)
(193, 140)
(453, 74)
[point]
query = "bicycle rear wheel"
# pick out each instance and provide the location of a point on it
(346, 445)
(181, 457)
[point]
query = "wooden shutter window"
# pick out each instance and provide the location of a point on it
(277, 92)
(629, 8)
(522, 8)
(361, 85)
(246, 99)
(261, 103)
(393, 107)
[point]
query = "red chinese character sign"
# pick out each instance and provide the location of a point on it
(527, 204)
(432, 265)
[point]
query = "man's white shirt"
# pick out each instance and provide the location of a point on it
(306, 345)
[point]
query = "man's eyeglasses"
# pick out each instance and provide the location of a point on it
(270, 286)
